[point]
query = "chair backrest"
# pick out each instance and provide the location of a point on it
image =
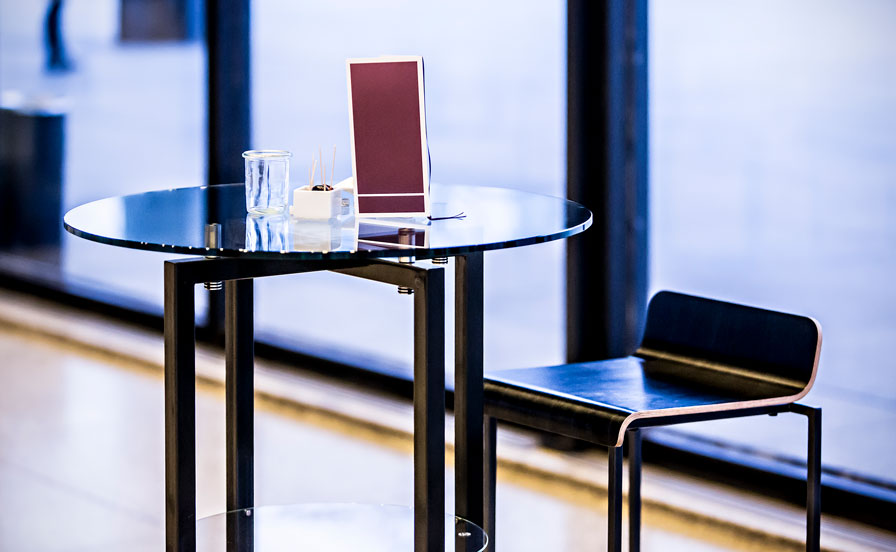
(737, 340)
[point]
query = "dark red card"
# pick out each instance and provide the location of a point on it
(390, 160)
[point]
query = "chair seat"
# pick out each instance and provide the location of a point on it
(596, 401)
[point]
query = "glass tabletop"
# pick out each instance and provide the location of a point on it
(332, 527)
(212, 221)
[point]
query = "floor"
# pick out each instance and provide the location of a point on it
(81, 442)
(81, 454)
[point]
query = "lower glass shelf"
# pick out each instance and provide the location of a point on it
(332, 527)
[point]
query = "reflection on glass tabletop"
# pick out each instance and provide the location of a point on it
(212, 221)
(332, 527)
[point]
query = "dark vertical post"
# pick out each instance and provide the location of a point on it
(429, 411)
(468, 391)
(180, 412)
(490, 444)
(229, 123)
(228, 115)
(239, 382)
(614, 500)
(634, 490)
(607, 172)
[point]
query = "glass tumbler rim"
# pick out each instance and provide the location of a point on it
(267, 154)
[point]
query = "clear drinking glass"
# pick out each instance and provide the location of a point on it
(267, 181)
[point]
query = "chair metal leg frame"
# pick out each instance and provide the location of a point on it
(813, 475)
(180, 372)
(615, 497)
(614, 500)
(813, 480)
(633, 438)
(614, 487)
(490, 441)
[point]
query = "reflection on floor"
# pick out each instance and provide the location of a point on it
(81, 453)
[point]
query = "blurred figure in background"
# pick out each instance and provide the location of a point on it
(57, 59)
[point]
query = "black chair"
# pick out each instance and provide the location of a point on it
(700, 359)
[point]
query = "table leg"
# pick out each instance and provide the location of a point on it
(239, 349)
(429, 412)
(468, 394)
(180, 412)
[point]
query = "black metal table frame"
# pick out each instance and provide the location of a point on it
(237, 273)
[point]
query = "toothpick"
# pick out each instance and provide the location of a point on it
(323, 168)
(313, 170)
(333, 166)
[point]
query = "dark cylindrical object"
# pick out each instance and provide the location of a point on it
(32, 146)
(159, 20)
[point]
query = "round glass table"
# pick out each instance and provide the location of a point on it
(183, 221)
(231, 248)
(333, 527)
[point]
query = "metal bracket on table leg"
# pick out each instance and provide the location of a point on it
(406, 290)
(405, 235)
(212, 241)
